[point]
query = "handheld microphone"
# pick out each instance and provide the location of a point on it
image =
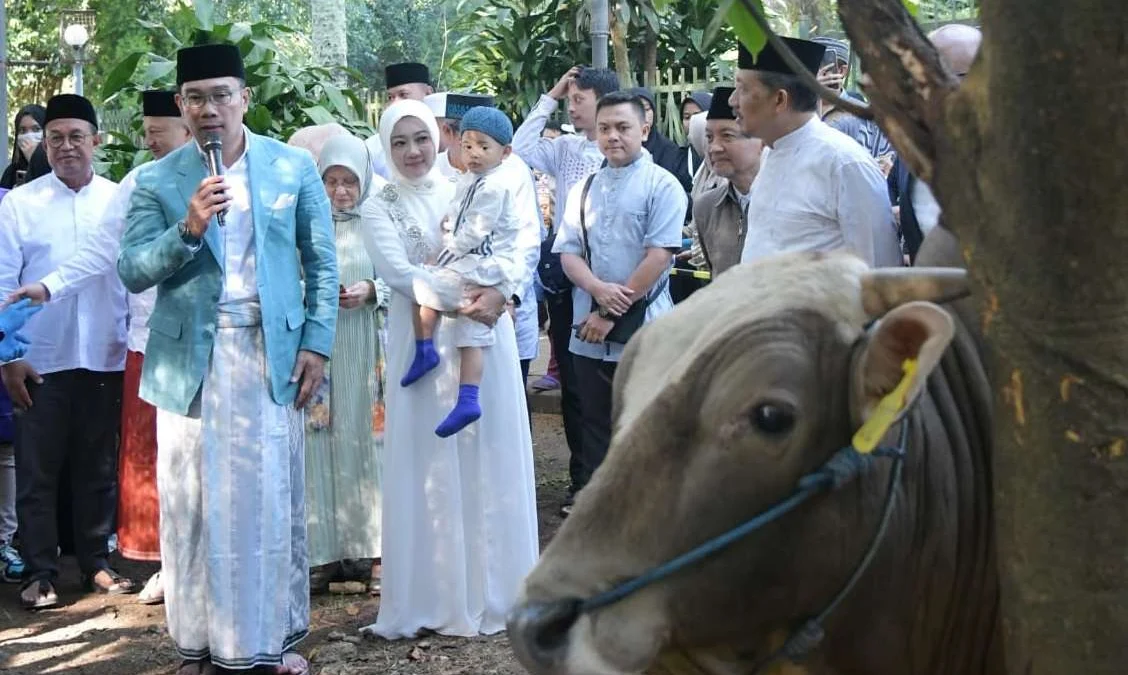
(213, 157)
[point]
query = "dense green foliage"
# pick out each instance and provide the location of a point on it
(287, 92)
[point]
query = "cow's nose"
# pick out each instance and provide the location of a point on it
(539, 631)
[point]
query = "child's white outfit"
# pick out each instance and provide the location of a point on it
(479, 236)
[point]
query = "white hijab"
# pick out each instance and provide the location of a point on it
(425, 199)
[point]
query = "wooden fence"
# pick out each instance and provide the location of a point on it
(671, 86)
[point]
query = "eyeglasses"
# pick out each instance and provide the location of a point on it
(77, 138)
(219, 99)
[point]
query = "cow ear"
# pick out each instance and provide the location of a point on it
(901, 350)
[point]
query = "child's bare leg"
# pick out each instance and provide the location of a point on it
(423, 321)
(467, 409)
(470, 371)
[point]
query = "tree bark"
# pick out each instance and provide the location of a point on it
(329, 35)
(1028, 158)
(651, 59)
(621, 51)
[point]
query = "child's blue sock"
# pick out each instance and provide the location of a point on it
(465, 411)
(426, 358)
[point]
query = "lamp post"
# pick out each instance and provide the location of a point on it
(76, 37)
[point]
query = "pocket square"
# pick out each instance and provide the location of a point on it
(284, 201)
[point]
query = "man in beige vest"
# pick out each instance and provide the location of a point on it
(719, 212)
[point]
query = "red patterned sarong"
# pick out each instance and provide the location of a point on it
(138, 507)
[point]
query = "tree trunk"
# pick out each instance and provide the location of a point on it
(329, 34)
(651, 58)
(621, 51)
(1028, 159)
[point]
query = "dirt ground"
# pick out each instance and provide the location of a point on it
(94, 635)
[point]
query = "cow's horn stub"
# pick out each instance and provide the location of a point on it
(889, 287)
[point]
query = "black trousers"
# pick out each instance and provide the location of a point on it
(560, 333)
(73, 421)
(595, 378)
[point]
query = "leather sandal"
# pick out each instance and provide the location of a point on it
(119, 585)
(45, 595)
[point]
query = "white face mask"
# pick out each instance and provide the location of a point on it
(28, 142)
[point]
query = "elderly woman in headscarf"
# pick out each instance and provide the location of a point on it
(345, 419)
(29, 136)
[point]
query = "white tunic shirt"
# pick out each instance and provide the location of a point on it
(818, 190)
(238, 233)
(97, 256)
(42, 224)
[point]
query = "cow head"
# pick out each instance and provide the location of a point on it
(719, 408)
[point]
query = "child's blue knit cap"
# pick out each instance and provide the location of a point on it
(489, 121)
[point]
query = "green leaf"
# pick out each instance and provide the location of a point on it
(744, 24)
(157, 69)
(120, 75)
(339, 101)
(912, 5)
(205, 13)
(259, 119)
(319, 114)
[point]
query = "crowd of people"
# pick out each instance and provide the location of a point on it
(310, 364)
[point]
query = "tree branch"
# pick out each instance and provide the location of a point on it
(846, 103)
(909, 81)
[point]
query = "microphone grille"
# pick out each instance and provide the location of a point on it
(212, 141)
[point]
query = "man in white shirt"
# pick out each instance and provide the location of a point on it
(137, 521)
(818, 189)
(69, 385)
(403, 81)
(569, 159)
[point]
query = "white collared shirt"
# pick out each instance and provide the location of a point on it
(818, 190)
(238, 233)
(97, 255)
(42, 224)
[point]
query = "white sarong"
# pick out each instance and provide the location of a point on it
(232, 490)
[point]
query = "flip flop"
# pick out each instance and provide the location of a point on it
(45, 595)
(119, 585)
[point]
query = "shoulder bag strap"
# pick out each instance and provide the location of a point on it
(583, 218)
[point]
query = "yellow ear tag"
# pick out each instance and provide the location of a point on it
(888, 408)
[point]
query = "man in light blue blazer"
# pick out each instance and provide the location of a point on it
(246, 272)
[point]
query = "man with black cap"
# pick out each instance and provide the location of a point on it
(69, 384)
(720, 213)
(164, 131)
(449, 107)
(243, 325)
(402, 81)
(817, 190)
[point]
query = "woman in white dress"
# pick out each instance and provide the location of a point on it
(460, 520)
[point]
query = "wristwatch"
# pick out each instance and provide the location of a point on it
(186, 235)
(603, 313)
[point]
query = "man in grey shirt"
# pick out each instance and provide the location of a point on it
(569, 159)
(633, 212)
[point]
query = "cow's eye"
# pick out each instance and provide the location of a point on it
(771, 418)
